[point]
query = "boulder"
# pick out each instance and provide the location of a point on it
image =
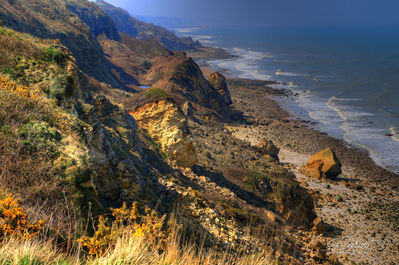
(319, 226)
(266, 147)
(323, 165)
(218, 81)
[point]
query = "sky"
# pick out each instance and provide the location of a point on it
(270, 12)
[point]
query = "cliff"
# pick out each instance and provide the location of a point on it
(58, 21)
(165, 123)
(136, 28)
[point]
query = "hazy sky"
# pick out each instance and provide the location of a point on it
(270, 12)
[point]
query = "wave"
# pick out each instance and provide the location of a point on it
(359, 132)
(395, 133)
(187, 30)
(245, 65)
(279, 72)
(340, 119)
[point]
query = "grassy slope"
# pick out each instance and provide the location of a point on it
(42, 152)
(55, 20)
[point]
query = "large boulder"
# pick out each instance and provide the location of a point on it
(323, 165)
(218, 81)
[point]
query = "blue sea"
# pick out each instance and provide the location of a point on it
(344, 79)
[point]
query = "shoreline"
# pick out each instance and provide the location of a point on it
(369, 206)
(207, 69)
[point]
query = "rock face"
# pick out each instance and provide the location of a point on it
(164, 121)
(323, 165)
(188, 82)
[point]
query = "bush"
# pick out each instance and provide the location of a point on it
(13, 221)
(23, 91)
(127, 221)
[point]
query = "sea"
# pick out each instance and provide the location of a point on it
(344, 79)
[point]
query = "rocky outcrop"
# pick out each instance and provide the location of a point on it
(165, 123)
(115, 151)
(188, 83)
(136, 28)
(218, 81)
(323, 165)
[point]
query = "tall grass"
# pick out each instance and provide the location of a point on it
(129, 250)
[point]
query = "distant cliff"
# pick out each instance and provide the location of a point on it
(142, 30)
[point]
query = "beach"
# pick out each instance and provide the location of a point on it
(360, 207)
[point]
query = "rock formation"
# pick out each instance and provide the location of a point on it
(164, 121)
(323, 165)
(218, 81)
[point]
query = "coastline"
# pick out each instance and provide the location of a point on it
(368, 211)
(350, 155)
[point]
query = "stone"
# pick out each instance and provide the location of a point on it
(266, 147)
(323, 165)
(319, 226)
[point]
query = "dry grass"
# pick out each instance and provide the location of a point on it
(27, 155)
(128, 250)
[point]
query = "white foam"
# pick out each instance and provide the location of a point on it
(245, 65)
(395, 133)
(187, 30)
(279, 72)
(359, 133)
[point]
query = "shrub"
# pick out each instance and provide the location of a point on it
(126, 221)
(13, 221)
(23, 91)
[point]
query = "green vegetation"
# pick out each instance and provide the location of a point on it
(54, 55)
(156, 93)
(38, 135)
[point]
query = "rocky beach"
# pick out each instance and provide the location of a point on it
(359, 208)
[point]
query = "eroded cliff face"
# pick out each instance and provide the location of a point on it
(164, 121)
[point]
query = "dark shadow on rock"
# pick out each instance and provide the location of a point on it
(221, 181)
(124, 78)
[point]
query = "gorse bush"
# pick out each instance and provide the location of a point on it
(126, 222)
(14, 221)
(23, 91)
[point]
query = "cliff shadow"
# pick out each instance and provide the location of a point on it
(218, 178)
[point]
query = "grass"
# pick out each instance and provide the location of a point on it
(156, 93)
(128, 250)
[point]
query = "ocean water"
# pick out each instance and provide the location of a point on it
(345, 79)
